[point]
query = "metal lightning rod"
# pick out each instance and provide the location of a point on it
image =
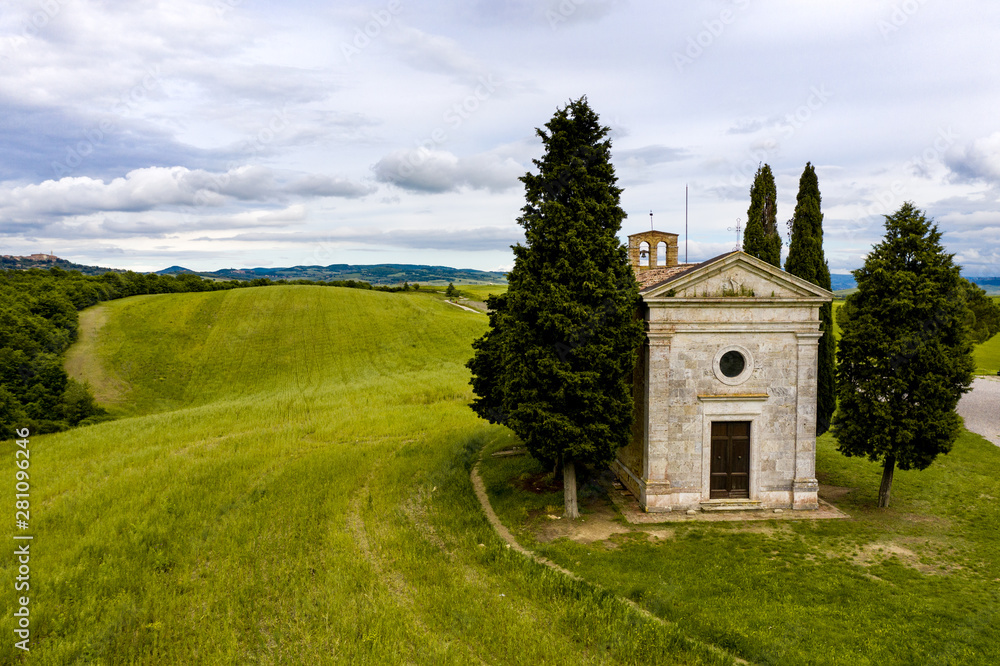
(685, 223)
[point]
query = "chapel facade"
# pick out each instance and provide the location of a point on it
(726, 383)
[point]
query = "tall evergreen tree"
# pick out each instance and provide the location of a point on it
(985, 322)
(761, 238)
(556, 364)
(807, 261)
(905, 355)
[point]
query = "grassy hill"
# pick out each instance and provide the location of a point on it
(289, 484)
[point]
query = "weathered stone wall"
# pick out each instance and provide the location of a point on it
(772, 319)
(685, 363)
(631, 456)
(689, 370)
(686, 394)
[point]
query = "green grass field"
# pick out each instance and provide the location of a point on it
(918, 583)
(988, 356)
(289, 483)
(481, 292)
(988, 353)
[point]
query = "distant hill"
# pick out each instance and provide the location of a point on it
(839, 282)
(376, 274)
(991, 285)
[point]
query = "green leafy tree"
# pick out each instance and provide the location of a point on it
(761, 238)
(985, 320)
(12, 415)
(807, 261)
(556, 364)
(451, 292)
(78, 404)
(905, 356)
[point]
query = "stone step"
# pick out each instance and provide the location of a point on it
(732, 505)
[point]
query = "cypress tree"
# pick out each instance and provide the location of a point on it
(807, 261)
(761, 238)
(905, 356)
(556, 364)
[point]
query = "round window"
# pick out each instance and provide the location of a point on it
(732, 363)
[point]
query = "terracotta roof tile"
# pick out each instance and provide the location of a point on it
(656, 276)
(653, 276)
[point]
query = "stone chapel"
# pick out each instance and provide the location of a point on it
(726, 383)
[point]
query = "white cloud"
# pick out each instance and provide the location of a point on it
(980, 160)
(434, 53)
(474, 240)
(146, 120)
(157, 188)
(437, 171)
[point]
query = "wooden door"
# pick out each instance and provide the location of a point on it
(730, 476)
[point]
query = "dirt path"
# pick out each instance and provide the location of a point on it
(77, 357)
(505, 534)
(459, 305)
(83, 365)
(980, 408)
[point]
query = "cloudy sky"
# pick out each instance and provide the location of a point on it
(236, 133)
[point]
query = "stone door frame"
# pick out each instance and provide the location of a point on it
(719, 408)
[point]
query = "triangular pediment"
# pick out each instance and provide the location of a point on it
(735, 275)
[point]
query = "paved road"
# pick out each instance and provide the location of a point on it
(980, 408)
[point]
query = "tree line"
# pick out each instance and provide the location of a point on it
(39, 320)
(905, 355)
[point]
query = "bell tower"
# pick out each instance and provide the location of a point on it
(652, 249)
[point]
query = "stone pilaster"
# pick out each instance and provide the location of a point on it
(658, 400)
(805, 486)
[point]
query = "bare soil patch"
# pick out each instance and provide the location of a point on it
(875, 553)
(598, 521)
(832, 493)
